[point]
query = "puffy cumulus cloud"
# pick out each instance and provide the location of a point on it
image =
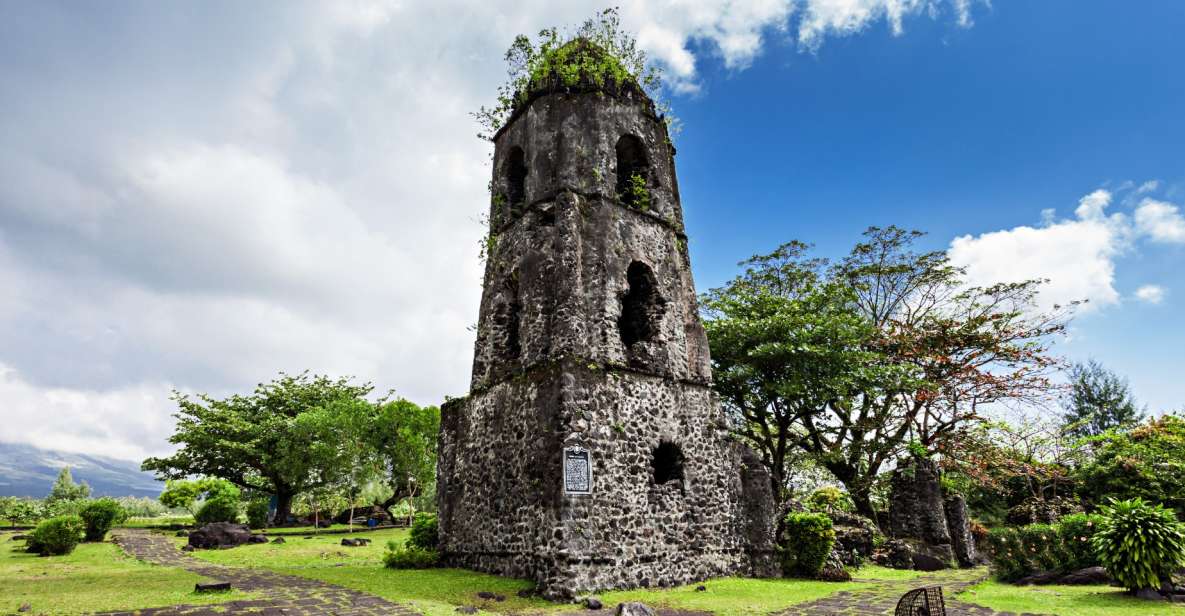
(1160, 221)
(1150, 293)
(1076, 255)
(202, 196)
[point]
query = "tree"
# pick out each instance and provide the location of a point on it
(405, 443)
(249, 440)
(1146, 462)
(188, 495)
(64, 488)
(851, 362)
(1098, 400)
(18, 510)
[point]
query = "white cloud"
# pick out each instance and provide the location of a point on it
(1075, 256)
(1160, 221)
(1150, 293)
(201, 202)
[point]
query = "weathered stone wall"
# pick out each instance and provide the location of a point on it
(502, 507)
(589, 336)
(959, 526)
(916, 511)
(564, 266)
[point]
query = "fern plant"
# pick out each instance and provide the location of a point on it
(1140, 544)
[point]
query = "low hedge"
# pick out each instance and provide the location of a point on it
(1066, 546)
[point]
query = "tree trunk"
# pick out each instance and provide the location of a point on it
(283, 507)
(863, 501)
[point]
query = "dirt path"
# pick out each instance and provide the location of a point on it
(280, 594)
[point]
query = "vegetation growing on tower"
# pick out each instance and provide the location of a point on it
(598, 56)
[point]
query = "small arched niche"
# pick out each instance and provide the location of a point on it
(641, 306)
(516, 177)
(667, 462)
(633, 173)
(505, 323)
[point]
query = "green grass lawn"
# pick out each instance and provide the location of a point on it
(157, 522)
(95, 577)
(879, 573)
(439, 592)
(1065, 600)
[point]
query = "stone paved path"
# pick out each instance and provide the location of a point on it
(280, 594)
(882, 598)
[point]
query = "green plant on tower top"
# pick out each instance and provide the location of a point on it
(598, 56)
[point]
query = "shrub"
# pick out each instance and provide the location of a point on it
(1139, 544)
(424, 532)
(1042, 547)
(808, 541)
(829, 500)
(99, 516)
(1074, 533)
(58, 535)
(1009, 558)
(1146, 462)
(410, 556)
(218, 509)
(257, 511)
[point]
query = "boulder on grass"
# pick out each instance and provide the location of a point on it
(1089, 575)
(634, 609)
(212, 587)
(257, 539)
(220, 535)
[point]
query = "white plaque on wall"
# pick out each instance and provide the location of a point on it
(577, 471)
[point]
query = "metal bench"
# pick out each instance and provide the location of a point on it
(925, 601)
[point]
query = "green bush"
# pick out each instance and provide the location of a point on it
(1042, 547)
(829, 500)
(424, 532)
(257, 513)
(410, 556)
(99, 516)
(1146, 462)
(1009, 558)
(1074, 532)
(58, 535)
(807, 543)
(1139, 544)
(218, 509)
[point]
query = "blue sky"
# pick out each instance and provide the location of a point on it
(200, 195)
(956, 131)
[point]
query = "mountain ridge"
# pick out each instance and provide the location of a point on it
(26, 470)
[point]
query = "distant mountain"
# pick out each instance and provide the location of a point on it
(28, 471)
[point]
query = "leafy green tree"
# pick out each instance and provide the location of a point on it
(64, 488)
(99, 516)
(405, 442)
(848, 363)
(1146, 462)
(181, 494)
(1098, 400)
(18, 510)
(250, 441)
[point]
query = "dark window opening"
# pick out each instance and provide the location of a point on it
(633, 172)
(667, 463)
(507, 311)
(641, 306)
(516, 177)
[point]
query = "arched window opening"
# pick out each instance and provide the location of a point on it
(641, 306)
(668, 463)
(633, 173)
(516, 177)
(507, 314)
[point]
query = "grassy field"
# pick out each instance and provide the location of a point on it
(96, 577)
(1065, 600)
(439, 592)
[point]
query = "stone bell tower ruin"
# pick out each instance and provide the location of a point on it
(591, 453)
